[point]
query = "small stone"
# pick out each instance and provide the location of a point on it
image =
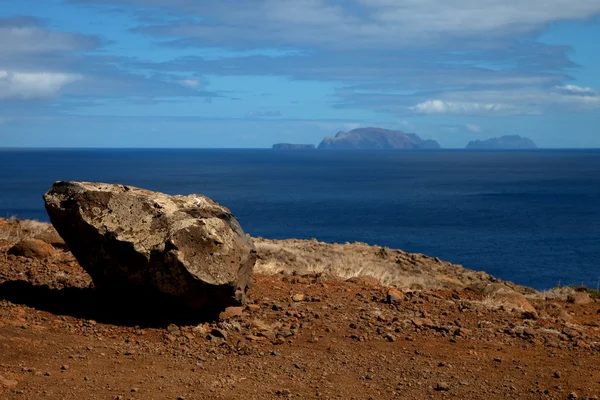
(134, 390)
(442, 387)
(298, 297)
(394, 296)
(369, 377)
(219, 333)
(231, 312)
(497, 359)
(573, 395)
(253, 307)
(64, 367)
(389, 337)
(556, 374)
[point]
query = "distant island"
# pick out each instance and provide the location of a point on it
(291, 146)
(508, 142)
(376, 138)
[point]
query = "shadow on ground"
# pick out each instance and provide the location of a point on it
(143, 309)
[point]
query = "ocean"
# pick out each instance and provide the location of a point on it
(532, 217)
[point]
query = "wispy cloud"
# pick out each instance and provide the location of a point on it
(33, 85)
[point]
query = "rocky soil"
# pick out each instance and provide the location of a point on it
(312, 327)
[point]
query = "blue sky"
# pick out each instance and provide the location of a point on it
(239, 73)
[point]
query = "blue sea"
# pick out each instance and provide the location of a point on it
(532, 217)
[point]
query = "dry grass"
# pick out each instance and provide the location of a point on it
(14, 229)
(358, 260)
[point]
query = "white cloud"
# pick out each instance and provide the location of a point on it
(526, 101)
(577, 90)
(474, 128)
(33, 85)
(467, 108)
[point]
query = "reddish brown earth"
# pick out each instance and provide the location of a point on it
(298, 337)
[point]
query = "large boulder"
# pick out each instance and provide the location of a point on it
(188, 247)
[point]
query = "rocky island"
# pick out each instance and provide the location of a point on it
(291, 146)
(376, 139)
(507, 142)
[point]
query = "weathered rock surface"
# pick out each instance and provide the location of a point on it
(127, 238)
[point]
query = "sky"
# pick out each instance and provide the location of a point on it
(250, 73)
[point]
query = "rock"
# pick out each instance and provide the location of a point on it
(394, 296)
(253, 307)
(231, 312)
(32, 248)
(219, 333)
(565, 316)
(126, 238)
(298, 297)
(52, 237)
(580, 298)
(507, 297)
(462, 332)
(442, 387)
(423, 322)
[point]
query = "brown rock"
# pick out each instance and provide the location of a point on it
(231, 312)
(580, 298)
(32, 248)
(126, 238)
(253, 307)
(394, 296)
(298, 297)
(505, 296)
(423, 322)
(565, 316)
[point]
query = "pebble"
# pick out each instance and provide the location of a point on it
(556, 374)
(442, 387)
(298, 297)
